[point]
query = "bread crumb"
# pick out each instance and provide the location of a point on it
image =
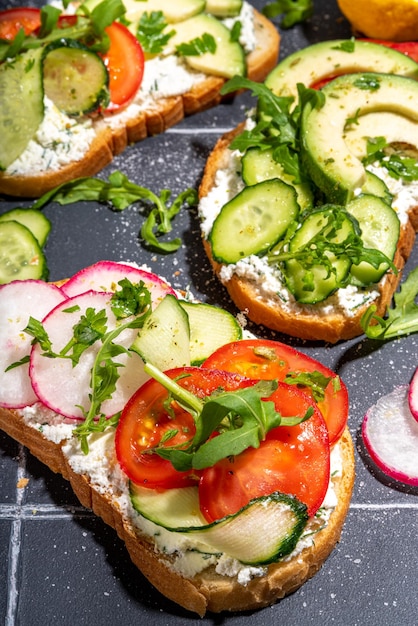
(22, 483)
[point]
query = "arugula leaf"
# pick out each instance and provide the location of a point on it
(316, 382)
(227, 422)
(402, 318)
(119, 192)
(150, 32)
(293, 11)
(198, 46)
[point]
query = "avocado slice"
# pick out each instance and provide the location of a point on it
(329, 59)
(324, 151)
(173, 11)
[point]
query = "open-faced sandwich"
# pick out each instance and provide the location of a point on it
(84, 82)
(309, 208)
(183, 435)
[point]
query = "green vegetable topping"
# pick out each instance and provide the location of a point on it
(150, 32)
(293, 11)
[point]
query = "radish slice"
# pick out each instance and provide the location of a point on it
(64, 388)
(18, 301)
(105, 275)
(390, 434)
(413, 395)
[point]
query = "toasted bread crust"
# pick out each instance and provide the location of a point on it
(305, 323)
(167, 112)
(207, 591)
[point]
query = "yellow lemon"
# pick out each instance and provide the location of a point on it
(395, 20)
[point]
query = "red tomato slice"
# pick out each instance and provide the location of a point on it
(144, 421)
(264, 359)
(293, 460)
(12, 20)
(125, 63)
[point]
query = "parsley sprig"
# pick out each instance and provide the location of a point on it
(151, 32)
(240, 419)
(119, 192)
(293, 11)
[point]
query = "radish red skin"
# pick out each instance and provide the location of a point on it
(413, 395)
(105, 275)
(390, 434)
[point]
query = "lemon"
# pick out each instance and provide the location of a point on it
(395, 20)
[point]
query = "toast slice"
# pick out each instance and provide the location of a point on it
(114, 132)
(207, 590)
(325, 321)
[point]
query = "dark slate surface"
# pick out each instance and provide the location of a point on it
(61, 565)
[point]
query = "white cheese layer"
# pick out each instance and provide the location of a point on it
(106, 477)
(268, 281)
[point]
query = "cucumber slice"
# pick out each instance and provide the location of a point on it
(21, 104)
(210, 328)
(259, 165)
(21, 257)
(224, 8)
(253, 221)
(380, 229)
(228, 59)
(281, 517)
(164, 340)
(375, 186)
(34, 220)
(75, 77)
(313, 285)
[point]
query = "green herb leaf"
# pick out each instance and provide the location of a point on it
(316, 382)
(293, 11)
(401, 319)
(197, 46)
(150, 32)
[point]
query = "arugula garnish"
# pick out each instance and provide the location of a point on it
(119, 192)
(150, 32)
(293, 11)
(402, 317)
(242, 418)
(397, 164)
(197, 46)
(89, 29)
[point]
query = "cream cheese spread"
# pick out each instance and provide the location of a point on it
(189, 556)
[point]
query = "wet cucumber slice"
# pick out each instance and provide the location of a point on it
(282, 519)
(259, 165)
(34, 220)
(210, 328)
(75, 77)
(21, 104)
(380, 229)
(253, 221)
(21, 256)
(313, 283)
(375, 186)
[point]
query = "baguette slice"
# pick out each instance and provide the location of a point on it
(207, 591)
(304, 321)
(113, 138)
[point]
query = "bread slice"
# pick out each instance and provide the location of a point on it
(208, 590)
(312, 322)
(115, 132)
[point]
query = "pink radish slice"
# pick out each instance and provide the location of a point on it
(413, 395)
(18, 301)
(64, 388)
(105, 275)
(390, 434)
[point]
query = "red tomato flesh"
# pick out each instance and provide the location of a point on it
(292, 459)
(125, 63)
(12, 20)
(267, 360)
(144, 421)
